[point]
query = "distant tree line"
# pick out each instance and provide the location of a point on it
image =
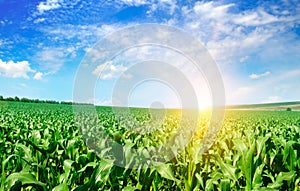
(27, 100)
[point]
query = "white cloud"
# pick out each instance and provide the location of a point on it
(169, 5)
(134, 2)
(85, 36)
(256, 76)
(152, 9)
(126, 76)
(52, 59)
(230, 36)
(244, 59)
(236, 45)
(212, 11)
(38, 76)
(48, 5)
(259, 17)
(39, 20)
(108, 70)
(13, 69)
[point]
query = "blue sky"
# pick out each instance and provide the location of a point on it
(255, 44)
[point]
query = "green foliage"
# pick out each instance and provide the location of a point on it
(10, 99)
(43, 148)
(16, 98)
(25, 100)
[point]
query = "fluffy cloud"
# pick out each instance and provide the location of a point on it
(38, 76)
(108, 70)
(212, 11)
(256, 76)
(13, 69)
(231, 35)
(48, 5)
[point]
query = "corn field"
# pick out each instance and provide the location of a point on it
(43, 147)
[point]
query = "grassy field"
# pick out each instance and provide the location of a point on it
(44, 148)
